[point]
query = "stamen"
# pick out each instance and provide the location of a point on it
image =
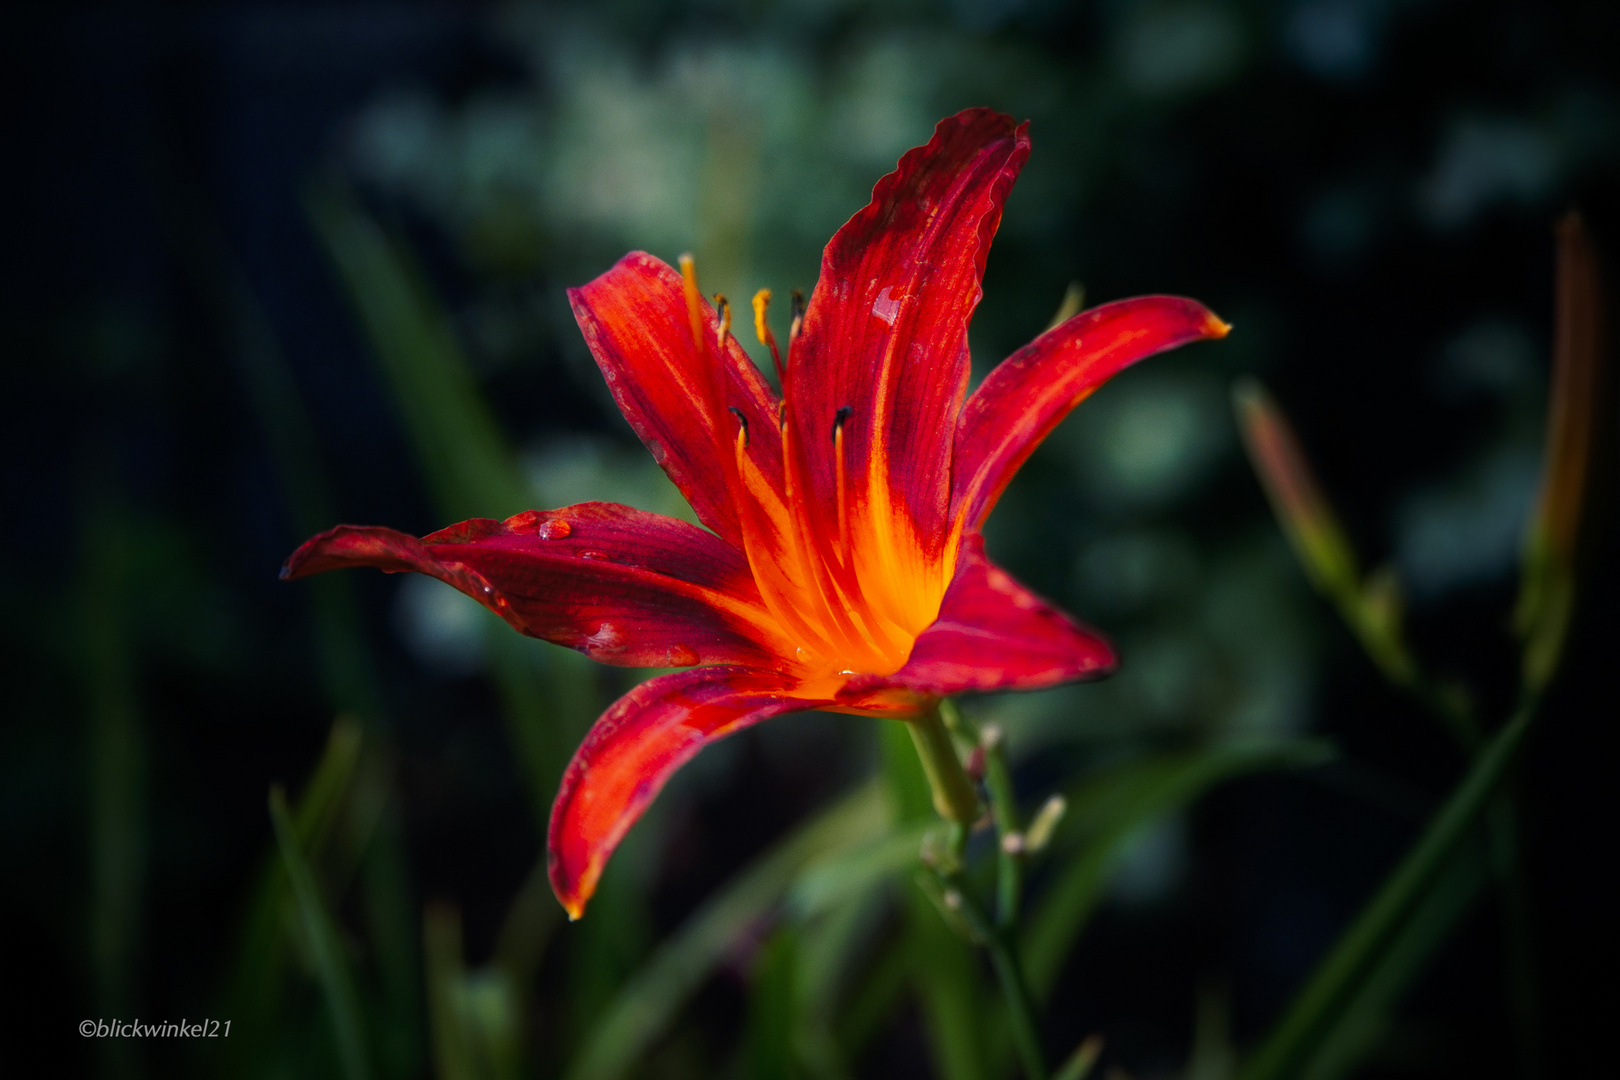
(839, 417)
(694, 299)
(797, 310)
(725, 316)
(741, 419)
(762, 329)
(842, 415)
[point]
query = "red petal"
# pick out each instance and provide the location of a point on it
(886, 330)
(635, 320)
(637, 745)
(1026, 396)
(994, 634)
(621, 585)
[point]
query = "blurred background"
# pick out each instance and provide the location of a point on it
(273, 267)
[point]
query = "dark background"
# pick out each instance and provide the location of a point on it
(1364, 188)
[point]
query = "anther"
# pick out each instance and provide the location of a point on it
(725, 316)
(797, 310)
(741, 419)
(844, 412)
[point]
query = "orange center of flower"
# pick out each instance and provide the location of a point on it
(846, 579)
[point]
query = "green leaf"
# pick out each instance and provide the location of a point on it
(1312, 1022)
(470, 469)
(474, 1016)
(769, 1050)
(260, 972)
(648, 1003)
(325, 944)
(118, 791)
(945, 978)
(1105, 812)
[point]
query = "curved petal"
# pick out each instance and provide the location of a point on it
(634, 318)
(1026, 396)
(634, 748)
(621, 585)
(885, 335)
(994, 634)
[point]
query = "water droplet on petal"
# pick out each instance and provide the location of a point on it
(801, 654)
(886, 307)
(553, 529)
(594, 555)
(607, 641)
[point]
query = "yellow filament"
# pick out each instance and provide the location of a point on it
(694, 300)
(814, 573)
(843, 493)
(762, 330)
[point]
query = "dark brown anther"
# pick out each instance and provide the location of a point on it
(741, 419)
(796, 308)
(843, 414)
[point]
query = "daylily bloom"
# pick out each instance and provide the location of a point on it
(842, 567)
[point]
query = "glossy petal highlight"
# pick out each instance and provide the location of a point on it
(885, 346)
(623, 586)
(634, 748)
(1024, 398)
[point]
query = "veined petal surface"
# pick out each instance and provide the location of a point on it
(635, 320)
(885, 335)
(634, 748)
(994, 634)
(623, 586)
(1024, 398)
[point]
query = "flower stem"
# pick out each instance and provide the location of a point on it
(954, 797)
(1020, 1009)
(1004, 807)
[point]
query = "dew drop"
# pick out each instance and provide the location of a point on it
(886, 307)
(594, 555)
(801, 654)
(553, 529)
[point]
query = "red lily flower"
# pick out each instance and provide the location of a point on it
(842, 567)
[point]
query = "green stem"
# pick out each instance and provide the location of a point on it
(1020, 1008)
(1523, 994)
(1009, 973)
(954, 797)
(1004, 808)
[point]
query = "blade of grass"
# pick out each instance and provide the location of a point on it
(831, 948)
(441, 950)
(769, 1052)
(117, 766)
(260, 970)
(470, 469)
(1313, 1019)
(325, 944)
(945, 979)
(645, 1006)
(386, 904)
